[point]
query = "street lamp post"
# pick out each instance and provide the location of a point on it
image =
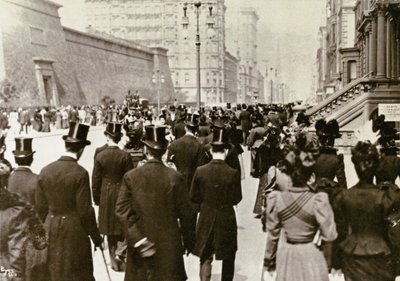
(210, 24)
(157, 79)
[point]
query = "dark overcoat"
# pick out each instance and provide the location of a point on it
(110, 165)
(217, 187)
(64, 201)
(187, 154)
(388, 169)
(363, 209)
(179, 129)
(23, 182)
(152, 198)
(245, 121)
(329, 165)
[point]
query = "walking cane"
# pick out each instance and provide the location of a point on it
(105, 264)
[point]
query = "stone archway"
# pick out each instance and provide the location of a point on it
(45, 77)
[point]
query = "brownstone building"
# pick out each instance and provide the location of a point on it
(371, 67)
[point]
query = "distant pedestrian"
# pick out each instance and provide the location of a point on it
(110, 165)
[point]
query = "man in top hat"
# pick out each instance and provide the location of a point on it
(186, 152)
(110, 165)
(179, 126)
(64, 203)
(217, 188)
(153, 197)
(22, 180)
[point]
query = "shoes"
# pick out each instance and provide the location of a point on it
(257, 216)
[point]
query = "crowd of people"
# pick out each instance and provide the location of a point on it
(167, 185)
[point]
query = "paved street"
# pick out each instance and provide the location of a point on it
(251, 238)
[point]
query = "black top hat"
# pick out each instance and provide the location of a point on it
(228, 105)
(113, 129)
(23, 147)
(77, 133)
(193, 119)
(220, 137)
(155, 137)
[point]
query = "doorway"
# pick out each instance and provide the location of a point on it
(48, 89)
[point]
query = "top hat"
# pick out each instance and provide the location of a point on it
(23, 147)
(155, 137)
(193, 119)
(228, 105)
(113, 129)
(77, 133)
(220, 137)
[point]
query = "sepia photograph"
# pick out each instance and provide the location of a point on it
(199, 140)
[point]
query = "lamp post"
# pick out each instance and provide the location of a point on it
(185, 25)
(157, 79)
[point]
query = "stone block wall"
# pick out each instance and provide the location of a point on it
(82, 67)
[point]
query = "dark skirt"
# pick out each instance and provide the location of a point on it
(258, 205)
(368, 268)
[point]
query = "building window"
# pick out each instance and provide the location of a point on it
(176, 78)
(187, 78)
(37, 36)
(352, 70)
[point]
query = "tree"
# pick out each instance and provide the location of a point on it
(8, 91)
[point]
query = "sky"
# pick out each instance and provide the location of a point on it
(287, 35)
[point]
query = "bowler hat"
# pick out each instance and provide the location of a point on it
(220, 137)
(155, 137)
(193, 119)
(77, 133)
(113, 129)
(23, 147)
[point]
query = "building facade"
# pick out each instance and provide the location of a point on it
(231, 78)
(370, 67)
(241, 40)
(159, 23)
(337, 58)
(46, 64)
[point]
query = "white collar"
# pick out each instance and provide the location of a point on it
(189, 134)
(70, 154)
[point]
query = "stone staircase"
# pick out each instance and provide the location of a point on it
(342, 103)
(355, 103)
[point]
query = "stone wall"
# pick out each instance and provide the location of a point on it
(53, 65)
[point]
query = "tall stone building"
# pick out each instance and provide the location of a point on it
(158, 23)
(337, 57)
(241, 41)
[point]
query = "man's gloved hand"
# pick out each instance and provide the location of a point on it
(145, 248)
